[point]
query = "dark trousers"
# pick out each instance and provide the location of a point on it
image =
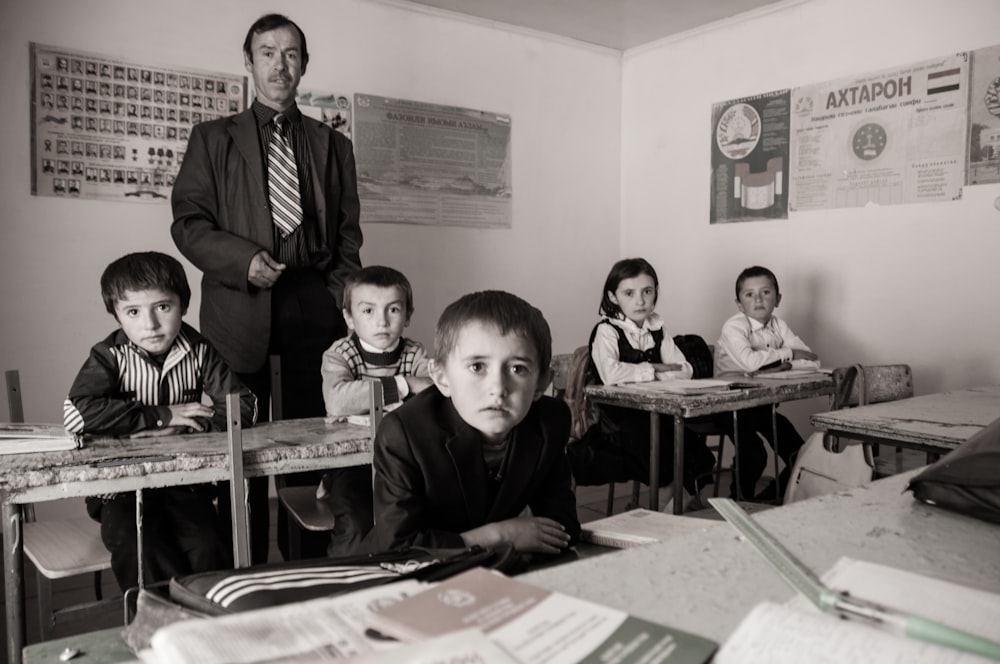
(628, 429)
(180, 533)
(755, 423)
(349, 494)
(305, 321)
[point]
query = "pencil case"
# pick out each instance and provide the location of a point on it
(967, 479)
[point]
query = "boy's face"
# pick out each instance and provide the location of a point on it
(636, 297)
(377, 314)
(758, 299)
(150, 318)
(491, 378)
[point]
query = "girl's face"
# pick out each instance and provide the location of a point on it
(636, 297)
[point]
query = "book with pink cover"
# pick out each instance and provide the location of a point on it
(535, 625)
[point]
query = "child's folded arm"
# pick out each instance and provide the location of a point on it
(609, 367)
(94, 405)
(736, 344)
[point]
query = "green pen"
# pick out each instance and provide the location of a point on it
(806, 582)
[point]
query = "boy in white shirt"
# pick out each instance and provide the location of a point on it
(754, 341)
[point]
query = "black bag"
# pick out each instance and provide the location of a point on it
(260, 586)
(967, 479)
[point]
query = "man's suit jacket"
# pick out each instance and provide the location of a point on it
(222, 218)
(431, 480)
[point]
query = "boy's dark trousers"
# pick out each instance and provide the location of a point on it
(753, 454)
(179, 533)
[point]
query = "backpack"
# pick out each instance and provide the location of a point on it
(697, 353)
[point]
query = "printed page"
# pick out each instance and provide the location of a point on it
(781, 634)
(322, 629)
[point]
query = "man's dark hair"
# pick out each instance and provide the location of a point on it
(507, 312)
(756, 271)
(144, 271)
(381, 277)
(270, 22)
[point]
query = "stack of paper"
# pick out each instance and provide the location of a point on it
(24, 438)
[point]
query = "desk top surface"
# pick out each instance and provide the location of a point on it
(943, 420)
(762, 391)
(707, 582)
(270, 447)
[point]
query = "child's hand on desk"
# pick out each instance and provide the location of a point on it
(804, 355)
(659, 367)
(186, 414)
(417, 383)
(535, 534)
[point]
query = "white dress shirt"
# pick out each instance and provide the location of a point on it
(747, 345)
(614, 372)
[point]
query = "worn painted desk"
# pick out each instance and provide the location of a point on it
(707, 582)
(766, 391)
(933, 423)
(110, 465)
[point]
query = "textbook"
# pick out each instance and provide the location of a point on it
(537, 626)
(640, 526)
(806, 634)
(25, 438)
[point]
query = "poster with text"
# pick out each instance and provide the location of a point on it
(984, 117)
(330, 108)
(421, 163)
(894, 136)
(750, 158)
(111, 129)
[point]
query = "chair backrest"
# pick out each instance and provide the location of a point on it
(582, 414)
(882, 382)
(12, 380)
(560, 369)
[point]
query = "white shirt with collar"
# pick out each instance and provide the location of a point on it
(747, 345)
(614, 372)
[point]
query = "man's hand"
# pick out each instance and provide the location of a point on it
(417, 383)
(803, 355)
(264, 270)
(528, 534)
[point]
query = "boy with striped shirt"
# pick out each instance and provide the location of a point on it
(147, 379)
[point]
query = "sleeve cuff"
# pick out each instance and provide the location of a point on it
(390, 393)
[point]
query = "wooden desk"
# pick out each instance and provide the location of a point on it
(707, 582)
(767, 391)
(113, 465)
(933, 423)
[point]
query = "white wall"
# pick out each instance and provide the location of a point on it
(902, 283)
(564, 102)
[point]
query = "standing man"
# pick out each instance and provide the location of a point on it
(266, 206)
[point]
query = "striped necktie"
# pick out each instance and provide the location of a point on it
(283, 180)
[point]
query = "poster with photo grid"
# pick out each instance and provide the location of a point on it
(109, 129)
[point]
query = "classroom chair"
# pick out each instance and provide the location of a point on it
(305, 511)
(870, 384)
(60, 548)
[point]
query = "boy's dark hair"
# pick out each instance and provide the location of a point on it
(270, 22)
(756, 271)
(382, 277)
(507, 312)
(143, 271)
(627, 268)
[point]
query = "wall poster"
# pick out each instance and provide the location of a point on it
(110, 129)
(984, 117)
(330, 108)
(422, 163)
(894, 136)
(750, 158)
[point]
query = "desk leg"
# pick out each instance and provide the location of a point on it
(678, 464)
(736, 455)
(13, 559)
(654, 461)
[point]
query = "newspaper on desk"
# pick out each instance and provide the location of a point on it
(317, 631)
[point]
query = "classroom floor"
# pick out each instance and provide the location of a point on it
(591, 504)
